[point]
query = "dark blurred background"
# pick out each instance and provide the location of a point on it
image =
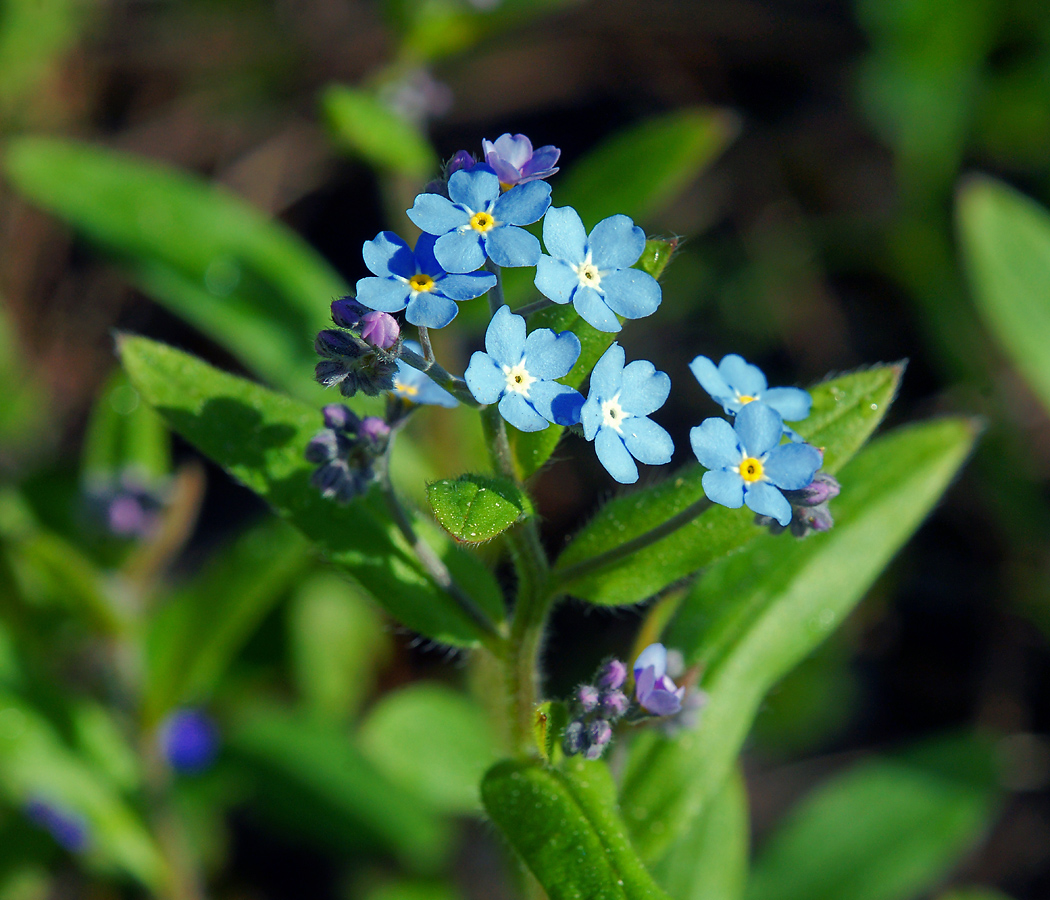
(820, 241)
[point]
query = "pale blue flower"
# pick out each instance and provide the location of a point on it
(615, 415)
(593, 271)
(418, 387)
(748, 464)
(734, 383)
(476, 221)
(519, 372)
(653, 689)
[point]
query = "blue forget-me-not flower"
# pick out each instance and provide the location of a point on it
(519, 372)
(415, 282)
(748, 464)
(417, 387)
(477, 221)
(655, 692)
(615, 415)
(68, 828)
(593, 271)
(734, 383)
(189, 739)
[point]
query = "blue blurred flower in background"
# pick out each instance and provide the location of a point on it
(189, 739)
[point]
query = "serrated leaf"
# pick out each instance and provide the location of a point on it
(778, 602)
(564, 825)
(1006, 244)
(476, 508)
(846, 410)
(886, 829)
(363, 125)
(247, 282)
(259, 437)
(456, 732)
(533, 448)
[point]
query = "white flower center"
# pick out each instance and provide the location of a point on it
(588, 273)
(518, 379)
(613, 414)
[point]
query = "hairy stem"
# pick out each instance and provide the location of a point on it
(457, 387)
(424, 342)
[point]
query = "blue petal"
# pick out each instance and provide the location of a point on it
(743, 377)
(647, 441)
(516, 410)
(549, 355)
(523, 204)
(616, 243)
(564, 235)
(460, 251)
(643, 389)
(607, 374)
(465, 287)
(792, 466)
(513, 247)
(594, 311)
(724, 487)
(558, 403)
(435, 214)
(505, 337)
(387, 254)
(555, 279)
(662, 703)
(475, 189)
(485, 378)
(614, 456)
(711, 380)
(591, 416)
(654, 655)
(425, 258)
(434, 394)
(793, 404)
(432, 310)
(766, 500)
(383, 294)
(631, 292)
(715, 444)
(759, 428)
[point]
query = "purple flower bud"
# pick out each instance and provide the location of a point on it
(340, 418)
(515, 162)
(461, 159)
(612, 675)
(822, 489)
(599, 732)
(613, 704)
(654, 691)
(189, 739)
(69, 829)
(594, 751)
(325, 446)
(380, 329)
(331, 343)
(574, 739)
(587, 697)
(374, 428)
(347, 312)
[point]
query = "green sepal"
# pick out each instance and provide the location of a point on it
(756, 615)
(564, 824)
(845, 412)
(477, 508)
(547, 728)
(259, 437)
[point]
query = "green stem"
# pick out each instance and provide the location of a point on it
(529, 308)
(455, 386)
(564, 575)
(424, 342)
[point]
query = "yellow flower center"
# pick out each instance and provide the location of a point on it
(421, 283)
(745, 399)
(750, 469)
(405, 390)
(482, 222)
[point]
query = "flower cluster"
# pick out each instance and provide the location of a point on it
(345, 451)
(361, 354)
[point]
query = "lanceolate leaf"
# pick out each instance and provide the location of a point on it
(476, 508)
(563, 823)
(770, 607)
(248, 282)
(846, 411)
(259, 437)
(887, 829)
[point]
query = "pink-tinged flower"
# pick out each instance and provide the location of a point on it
(653, 690)
(515, 162)
(380, 329)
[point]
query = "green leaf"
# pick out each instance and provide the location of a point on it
(247, 282)
(259, 437)
(476, 508)
(886, 829)
(35, 764)
(33, 36)
(457, 736)
(366, 127)
(533, 448)
(709, 861)
(125, 434)
(1006, 245)
(756, 615)
(194, 635)
(845, 412)
(564, 825)
(338, 640)
(312, 777)
(414, 890)
(639, 170)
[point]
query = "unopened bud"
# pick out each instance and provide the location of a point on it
(822, 489)
(340, 418)
(380, 329)
(573, 740)
(612, 675)
(599, 732)
(614, 704)
(374, 428)
(347, 312)
(587, 697)
(331, 343)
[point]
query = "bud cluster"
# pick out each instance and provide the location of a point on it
(345, 452)
(362, 353)
(809, 508)
(596, 707)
